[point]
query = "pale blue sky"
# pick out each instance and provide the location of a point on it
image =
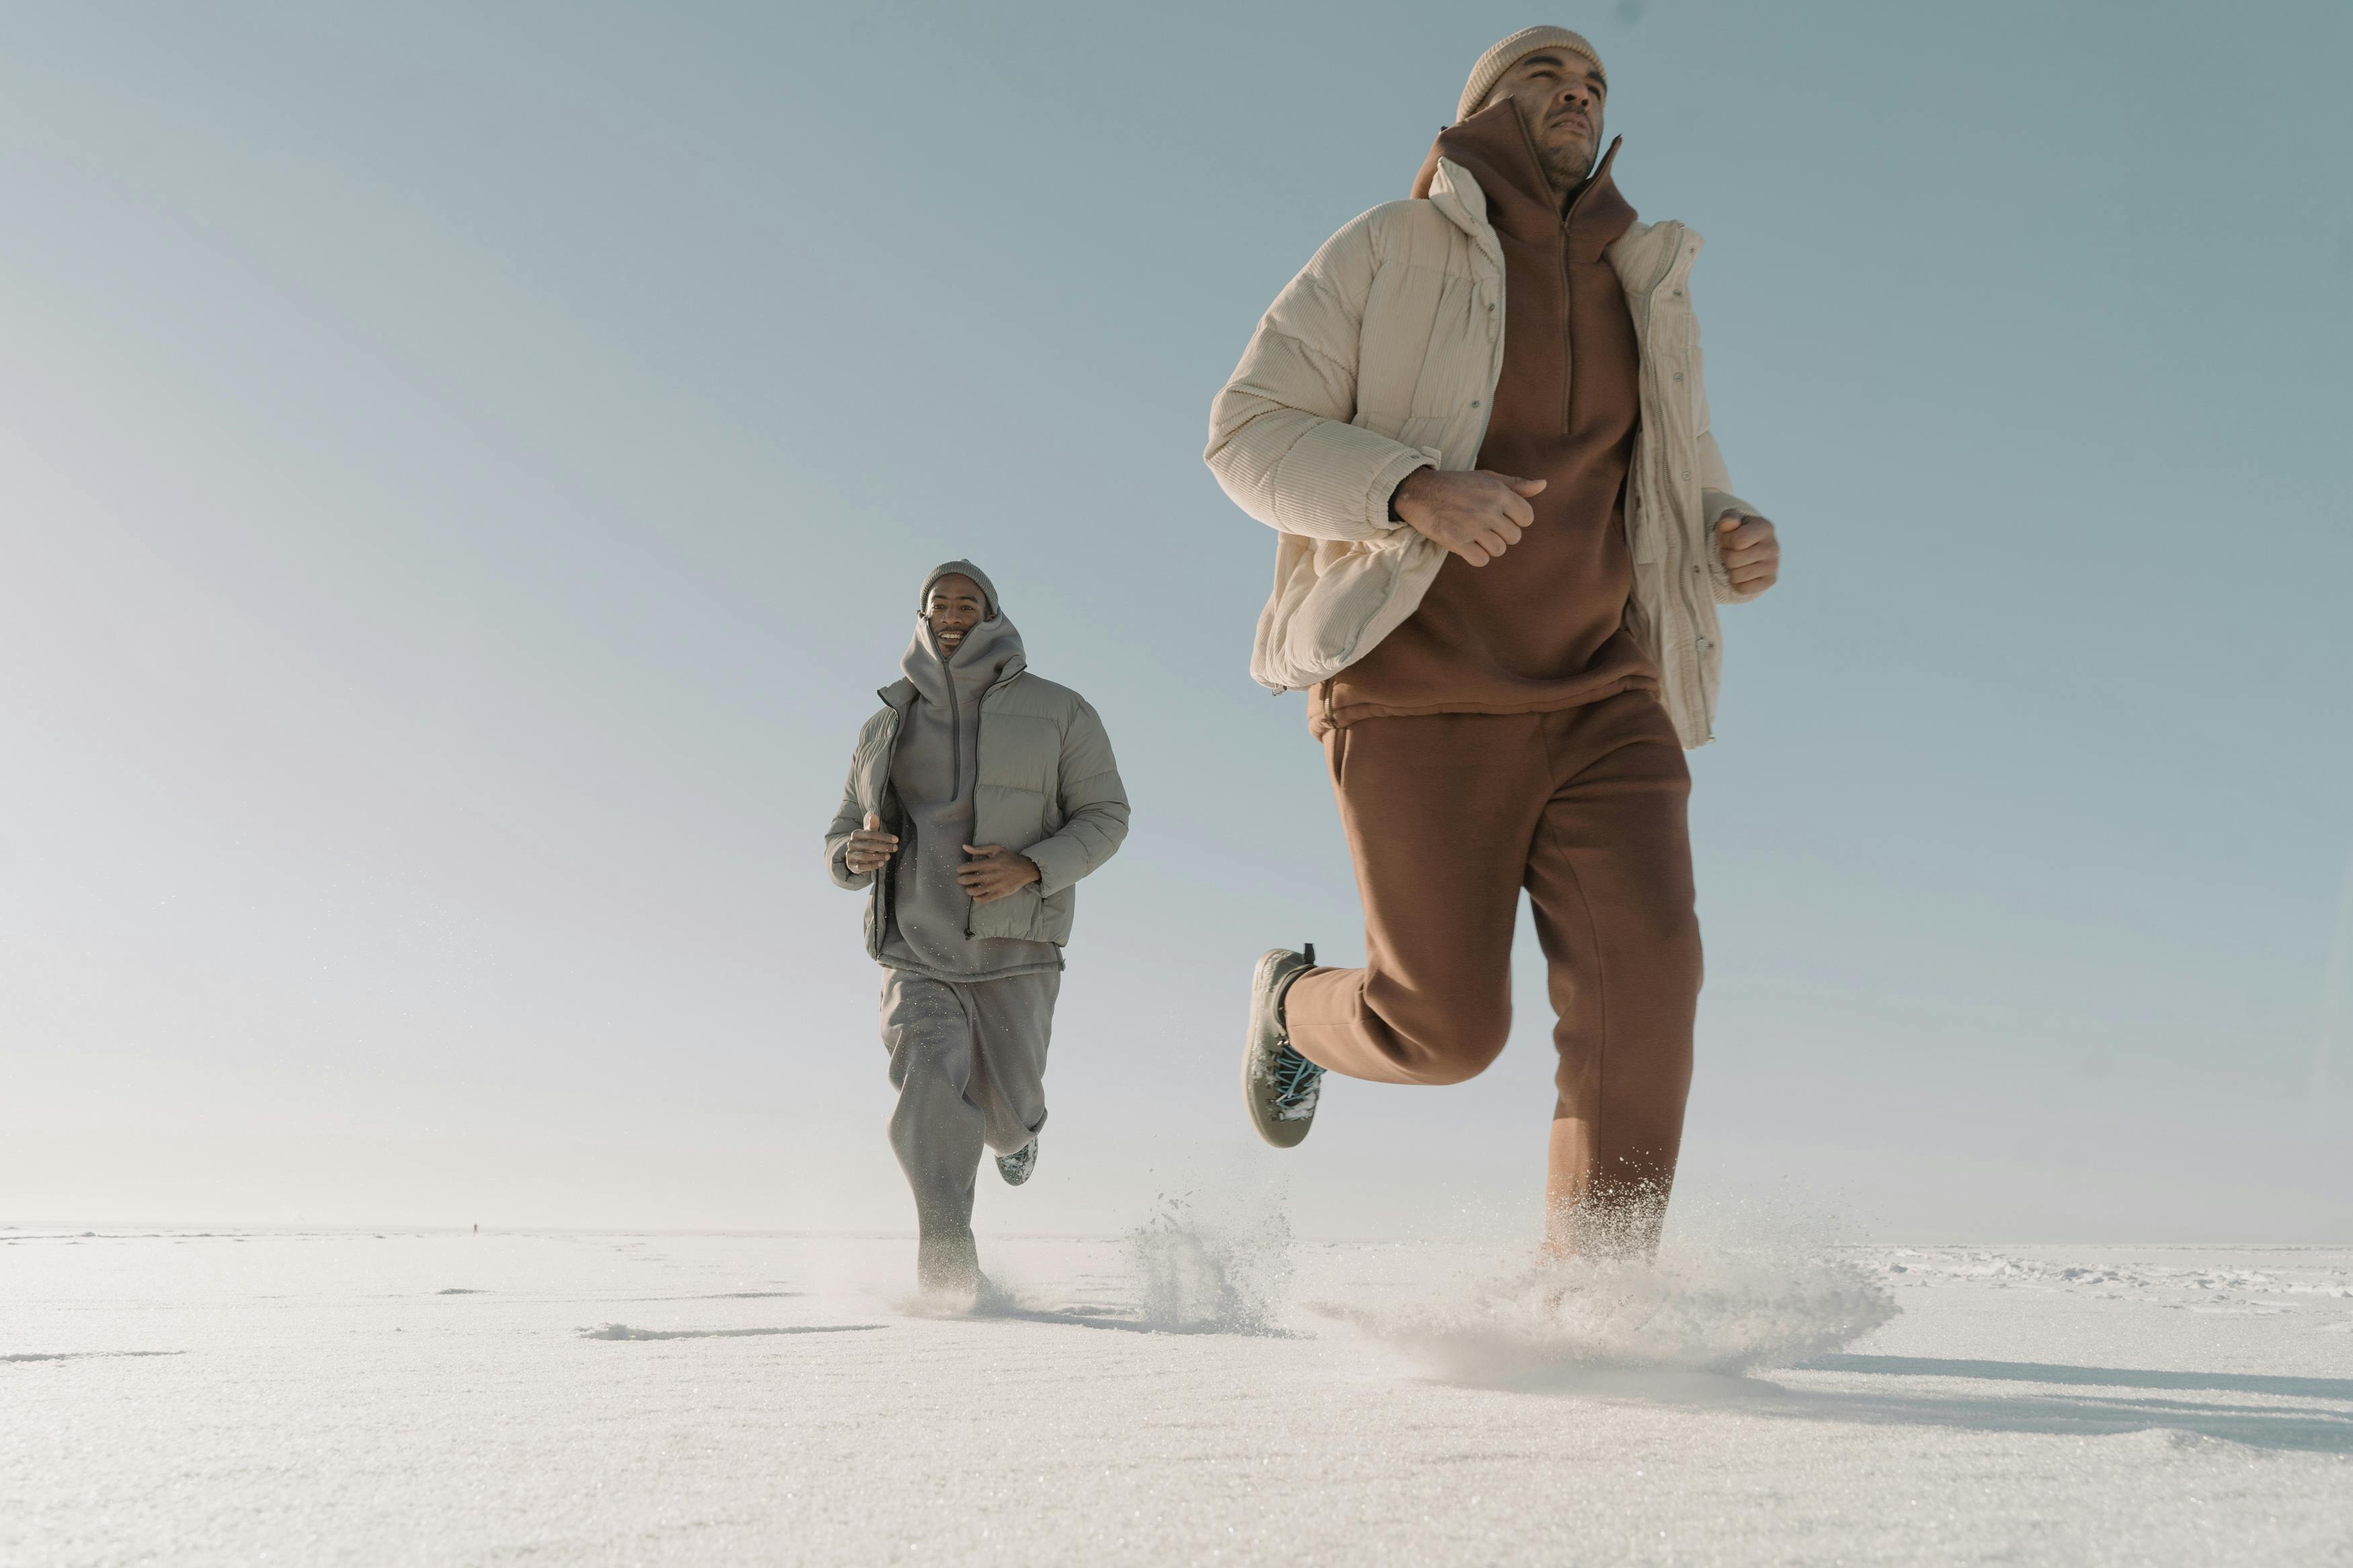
(464, 472)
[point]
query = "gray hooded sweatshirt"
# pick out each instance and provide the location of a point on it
(934, 770)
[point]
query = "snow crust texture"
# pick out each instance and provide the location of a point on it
(1202, 1391)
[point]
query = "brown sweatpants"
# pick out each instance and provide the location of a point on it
(1448, 815)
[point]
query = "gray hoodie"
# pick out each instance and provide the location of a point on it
(934, 771)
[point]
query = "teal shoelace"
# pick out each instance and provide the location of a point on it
(1297, 1082)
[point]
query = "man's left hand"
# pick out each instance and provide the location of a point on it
(1751, 550)
(995, 872)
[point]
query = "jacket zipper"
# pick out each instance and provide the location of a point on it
(1567, 320)
(955, 766)
(1568, 298)
(955, 734)
(1567, 347)
(954, 751)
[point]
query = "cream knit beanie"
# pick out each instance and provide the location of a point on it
(1511, 52)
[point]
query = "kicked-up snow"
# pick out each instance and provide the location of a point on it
(1695, 1309)
(1204, 1390)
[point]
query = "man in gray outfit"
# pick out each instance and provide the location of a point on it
(986, 793)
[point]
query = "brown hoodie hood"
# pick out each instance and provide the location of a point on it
(1495, 145)
(1542, 628)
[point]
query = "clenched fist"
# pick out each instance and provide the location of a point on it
(1477, 515)
(869, 846)
(995, 872)
(1751, 550)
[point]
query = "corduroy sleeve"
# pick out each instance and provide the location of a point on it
(1094, 805)
(1715, 496)
(1281, 440)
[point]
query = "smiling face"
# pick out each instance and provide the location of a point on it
(954, 607)
(1560, 95)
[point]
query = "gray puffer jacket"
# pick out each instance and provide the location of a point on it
(1048, 788)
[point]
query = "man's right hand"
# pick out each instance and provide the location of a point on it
(1477, 515)
(869, 846)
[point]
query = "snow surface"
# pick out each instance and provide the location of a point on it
(1192, 1393)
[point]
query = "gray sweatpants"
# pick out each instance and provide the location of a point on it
(970, 1063)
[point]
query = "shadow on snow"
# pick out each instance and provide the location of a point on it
(2099, 1377)
(1120, 1319)
(623, 1331)
(2304, 1427)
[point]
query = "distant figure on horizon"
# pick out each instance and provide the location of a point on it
(987, 793)
(1475, 421)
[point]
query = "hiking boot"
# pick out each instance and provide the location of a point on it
(1279, 1085)
(1016, 1167)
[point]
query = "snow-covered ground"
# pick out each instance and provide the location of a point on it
(1185, 1394)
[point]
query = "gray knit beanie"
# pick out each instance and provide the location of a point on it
(1511, 52)
(949, 568)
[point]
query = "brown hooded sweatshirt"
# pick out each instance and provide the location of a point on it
(1542, 628)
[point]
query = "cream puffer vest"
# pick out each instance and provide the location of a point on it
(1381, 357)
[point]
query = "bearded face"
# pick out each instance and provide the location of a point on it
(1560, 96)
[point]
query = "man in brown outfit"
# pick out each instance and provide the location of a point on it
(1509, 731)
